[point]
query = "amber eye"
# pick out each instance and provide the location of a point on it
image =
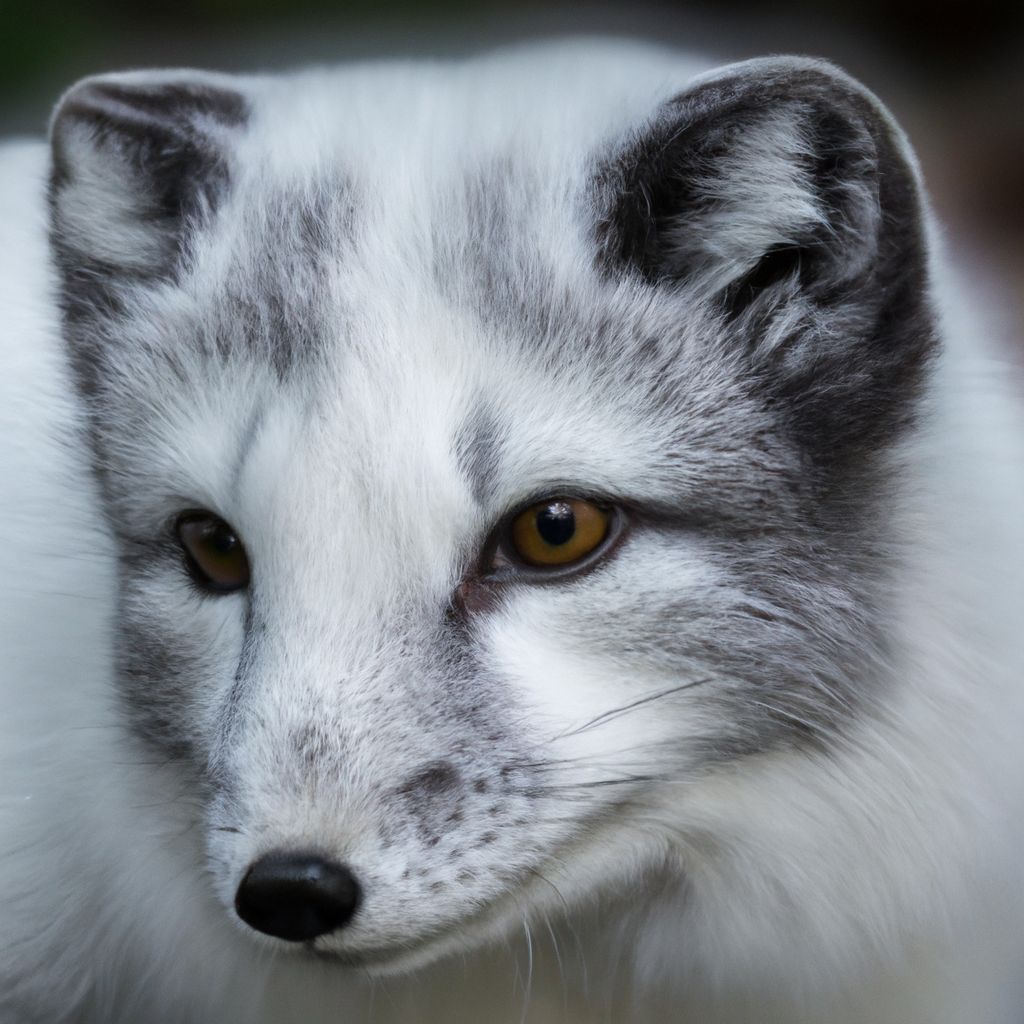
(558, 531)
(214, 554)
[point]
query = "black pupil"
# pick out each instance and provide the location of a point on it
(556, 523)
(221, 539)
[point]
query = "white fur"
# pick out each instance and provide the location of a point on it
(878, 882)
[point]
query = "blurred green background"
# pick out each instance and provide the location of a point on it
(953, 72)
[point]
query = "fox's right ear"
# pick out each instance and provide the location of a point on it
(780, 193)
(138, 159)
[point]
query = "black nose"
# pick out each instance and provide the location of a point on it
(296, 896)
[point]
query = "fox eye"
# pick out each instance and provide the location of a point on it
(558, 531)
(214, 555)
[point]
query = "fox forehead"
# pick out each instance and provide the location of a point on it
(312, 371)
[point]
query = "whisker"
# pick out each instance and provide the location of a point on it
(595, 783)
(614, 713)
(561, 966)
(528, 989)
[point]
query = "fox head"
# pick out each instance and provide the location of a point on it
(502, 462)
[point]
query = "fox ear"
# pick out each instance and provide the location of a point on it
(772, 166)
(137, 158)
(781, 194)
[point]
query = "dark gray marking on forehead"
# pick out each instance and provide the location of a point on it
(495, 246)
(473, 226)
(478, 445)
(500, 255)
(278, 300)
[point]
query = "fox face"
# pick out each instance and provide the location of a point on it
(501, 480)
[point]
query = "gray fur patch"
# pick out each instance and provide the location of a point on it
(156, 667)
(278, 299)
(478, 451)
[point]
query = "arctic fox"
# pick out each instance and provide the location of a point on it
(528, 539)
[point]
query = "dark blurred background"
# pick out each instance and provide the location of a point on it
(952, 72)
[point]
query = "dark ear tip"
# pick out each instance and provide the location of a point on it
(90, 110)
(79, 108)
(79, 103)
(98, 97)
(768, 80)
(137, 101)
(86, 110)
(781, 69)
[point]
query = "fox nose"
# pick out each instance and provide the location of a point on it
(296, 896)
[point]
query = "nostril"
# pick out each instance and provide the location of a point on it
(297, 896)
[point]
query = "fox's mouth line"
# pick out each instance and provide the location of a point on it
(382, 956)
(379, 956)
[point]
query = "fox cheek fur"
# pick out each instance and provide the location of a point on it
(365, 318)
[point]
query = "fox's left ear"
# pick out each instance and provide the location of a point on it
(780, 194)
(138, 158)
